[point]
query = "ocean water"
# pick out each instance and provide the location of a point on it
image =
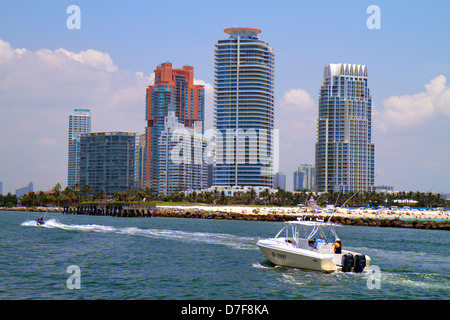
(195, 259)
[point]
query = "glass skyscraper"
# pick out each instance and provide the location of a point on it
(244, 109)
(107, 161)
(344, 148)
(79, 122)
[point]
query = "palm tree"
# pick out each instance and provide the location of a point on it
(76, 187)
(68, 196)
(29, 199)
(222, 197)
(57, 190)
(86, 190)
(99, 195)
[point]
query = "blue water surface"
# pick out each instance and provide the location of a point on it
(174, 258)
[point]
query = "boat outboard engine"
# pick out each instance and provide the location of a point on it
(360, 263)
(347, 262)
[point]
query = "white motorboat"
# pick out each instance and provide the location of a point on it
(314, 251)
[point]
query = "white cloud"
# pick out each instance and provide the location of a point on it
(93, 58)
(411, 110)
(295, 117)
(38, 90)
(297, 100)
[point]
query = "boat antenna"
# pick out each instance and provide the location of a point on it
(337, 198)
(349, 199)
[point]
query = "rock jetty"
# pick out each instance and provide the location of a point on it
(196, 213)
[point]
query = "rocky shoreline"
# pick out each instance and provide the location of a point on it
(397, 223)
(195, 213)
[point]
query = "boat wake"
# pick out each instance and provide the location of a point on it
(427, 281)
(229, 240)
(55, 224)
(233, 241)
(265, 265)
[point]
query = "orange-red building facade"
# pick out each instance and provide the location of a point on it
(173, 87)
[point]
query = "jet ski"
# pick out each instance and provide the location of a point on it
(40, 221)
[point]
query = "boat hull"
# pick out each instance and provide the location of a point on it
(279, 254)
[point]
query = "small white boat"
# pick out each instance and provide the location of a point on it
(325, 255)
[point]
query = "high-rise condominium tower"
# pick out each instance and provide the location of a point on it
(106, 161)
(139, 182)
(304, 177)
(172, 86)
(344, 148)
(79, 122)
(244, 109)
(181, 166)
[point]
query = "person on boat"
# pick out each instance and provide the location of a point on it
(338, 246)
(319, 240)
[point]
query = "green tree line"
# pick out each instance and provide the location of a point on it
(80, 194)
(9, 200)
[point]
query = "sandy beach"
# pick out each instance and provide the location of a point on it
(385, 213)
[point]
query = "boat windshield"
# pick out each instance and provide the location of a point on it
(310, 229)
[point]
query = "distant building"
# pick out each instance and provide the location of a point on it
(384, 188)
(279, 180)
(210, 174)
(141, 151)
(181, 166)
(344, 148)
(304, 177)
(79, 122)
(230, 190)
(22, 191)
(107, 161)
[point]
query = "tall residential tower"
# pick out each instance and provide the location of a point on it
(172, 86)
(344, 148)
(79, 122)
(181, 166)
(107, 161)
(244, 109)
(304, 177)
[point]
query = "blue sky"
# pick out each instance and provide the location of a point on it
(408, 58)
